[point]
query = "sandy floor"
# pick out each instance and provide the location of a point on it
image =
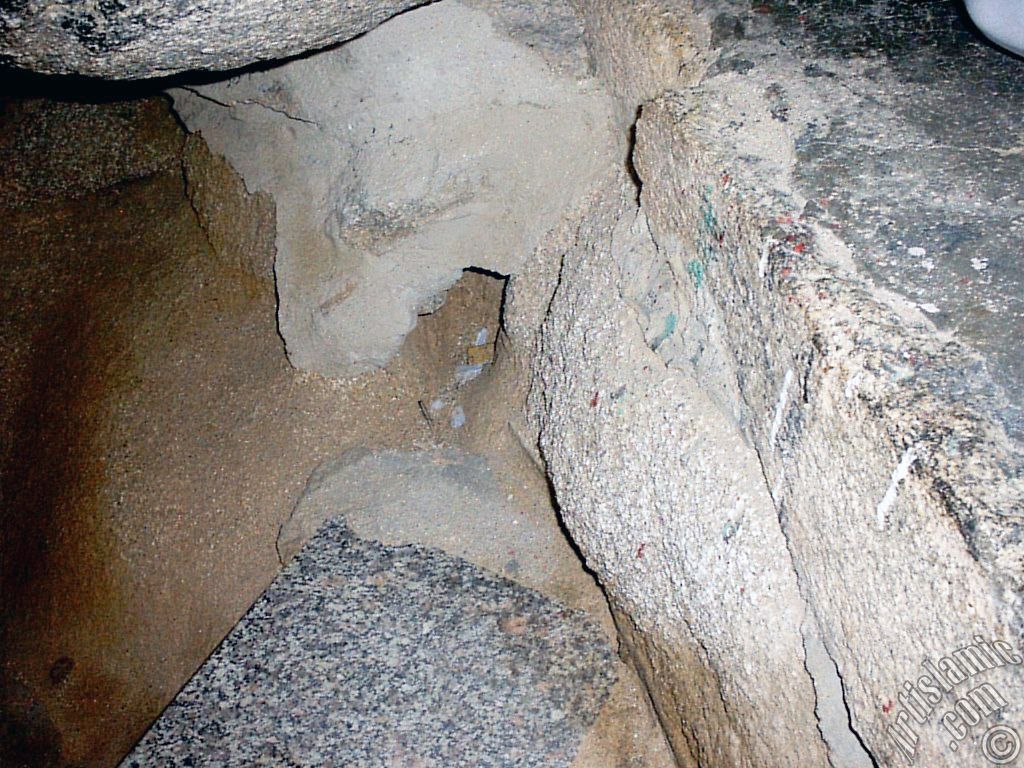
(154, 440)
(159, 439)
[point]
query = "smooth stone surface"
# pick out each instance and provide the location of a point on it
(361, 654)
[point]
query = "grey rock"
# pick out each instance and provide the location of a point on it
(361, 654)
(115, 39)
(447, 499)
(450, 137)
(746, 412)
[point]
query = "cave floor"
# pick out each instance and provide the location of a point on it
(155, 439)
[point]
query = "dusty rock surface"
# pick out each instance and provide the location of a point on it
(717, 339)
(798, 485)
(154, 438)
(54, 151)
(448, 138)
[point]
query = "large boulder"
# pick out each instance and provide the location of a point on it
(450, 137)
(799, 494)
(115, 39)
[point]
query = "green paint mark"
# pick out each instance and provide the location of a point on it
(696, 271)
(710, 220)
(670, 327)
(710, 229)
(729, 530)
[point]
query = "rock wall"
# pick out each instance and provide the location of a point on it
(792, 524)
(667, 507)
(788, 523)
(805, 523)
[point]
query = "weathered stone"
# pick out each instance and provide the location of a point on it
(114, 39)
(428, 146)
(239, 225)
(719, 344)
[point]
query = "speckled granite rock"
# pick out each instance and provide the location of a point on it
(361, 654)
(110, 38)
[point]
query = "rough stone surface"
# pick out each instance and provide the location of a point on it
(52, 151)
(447, 499)
(678, 523)
(908, 148)
(732, 361)
(113, 39)
(361, 654)
(239, 225)
(773, 363)
(434, 143)
(496, 513)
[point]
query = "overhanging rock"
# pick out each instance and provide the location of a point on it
(113, 39)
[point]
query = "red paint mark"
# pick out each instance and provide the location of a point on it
(887, 707)
(742, 590)
(800, 247)
(726, 178)
(593, 400)
(640, 550)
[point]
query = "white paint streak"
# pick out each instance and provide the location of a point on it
(898, 476)
(762, 264)
(851, 385)
(777, 488)
(780, 407)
